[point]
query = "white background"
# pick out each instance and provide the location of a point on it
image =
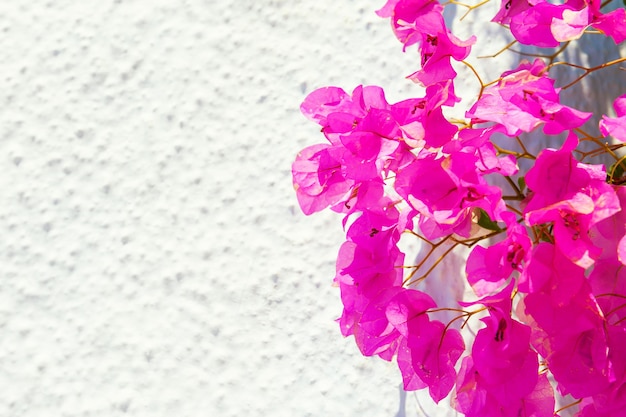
(153, 260)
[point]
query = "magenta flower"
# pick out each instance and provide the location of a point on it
(368, 264)
(429, 352)
(364, 144)
(407, 15)
(374, 334)
(544, 24)
(422, 120)
(501, 351)
(612, 401)
(524, 99)
(318, 178)
(567, 323)
(421, 22)
(437, 50)
(534, 25)
(477, 141)
(615, 126)
(368, 139)
(357, 297)
(613, 24)
(608, 279)
(473, 397)
(572, 195)
(454, 187)
(323, 102)
(434, 353)
(610, 234)
(488, 269)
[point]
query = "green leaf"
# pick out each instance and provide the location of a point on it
(521, 181)
(618, 172)
(485, 221)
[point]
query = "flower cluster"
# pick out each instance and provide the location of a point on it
(548, 245)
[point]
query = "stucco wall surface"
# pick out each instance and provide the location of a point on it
(153, 259)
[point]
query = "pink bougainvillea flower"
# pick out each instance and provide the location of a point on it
(574, 196)
(613, 24)
(612, 401)
(615, 126)
(489, 161)
(374, 334)
(406, 15)
(364, 127)
(608, 278)
(422, 120)
(318, 178)
(319, 172)
(568, 325)
(340, 114)
(356, 297)
(421, 22)
(501, 350)
(544, 24)
(406, 311)
(541, 23)
(368, 150)
(488, 269)
(454, 187)
(473, 398)
(534, 26)
(477, 141)
(368, 264)
(437, 50)
(368, 139)
(524, 99)
(324, 175)
(610, 233)
(375, 224)
(570, 25)
(364, 144)
(319, 104)
(435, 351)
(430, 351)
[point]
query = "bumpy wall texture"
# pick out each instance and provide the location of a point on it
(153, 259)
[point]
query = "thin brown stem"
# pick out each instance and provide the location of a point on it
(567, 406)
(499, 52)
(514, 209)
(518, 192)
(597, 141)
(469, 7)
(433, 266)
(550, 58)
(521, 144)
(586, 70)
(482, 84)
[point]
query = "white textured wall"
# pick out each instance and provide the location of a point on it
(153, 261)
